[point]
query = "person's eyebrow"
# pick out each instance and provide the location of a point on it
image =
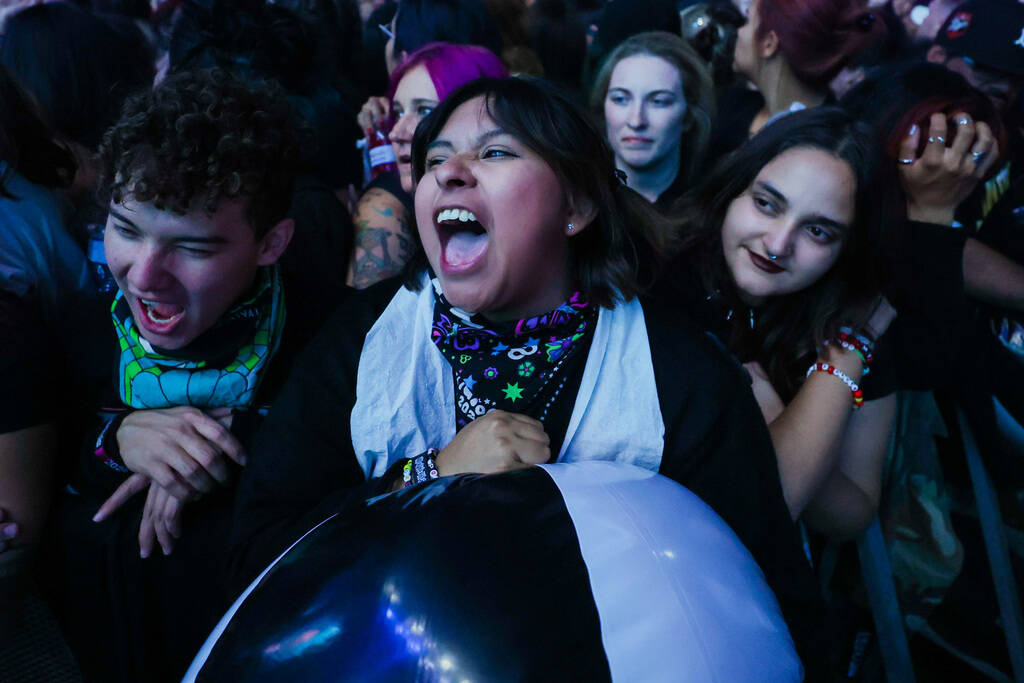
(814, 217)
(122, 218)
(193, 239)
(480, 141)
(825, 220)
(770, 189)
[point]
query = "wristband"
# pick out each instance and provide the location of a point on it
(858, 395)
(862, 343)
(420, 468)
(864, 360)
(107, 450)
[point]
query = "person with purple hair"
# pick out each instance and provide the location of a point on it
(385, 233)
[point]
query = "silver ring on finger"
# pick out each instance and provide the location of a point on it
(938, 138)
(905, 162)
(977, 157)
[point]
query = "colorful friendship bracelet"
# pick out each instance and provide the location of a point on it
(420, 468)
(859, 344)
(858, 395)
(863, 345)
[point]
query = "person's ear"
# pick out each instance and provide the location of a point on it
(768, 45)
(936, 54)
(582, 211)
(275, 242)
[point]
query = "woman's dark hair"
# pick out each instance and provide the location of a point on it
(77, 66)
(619, 250)
(894, 99)
(203, 137)
(248, 36)
(790, 328)
(27, 144)
(559, 37)
(466, 22)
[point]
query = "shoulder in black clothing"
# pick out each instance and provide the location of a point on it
(316, 260)
(303, 453)
(718, 446)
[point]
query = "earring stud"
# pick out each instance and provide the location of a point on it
(570, 227)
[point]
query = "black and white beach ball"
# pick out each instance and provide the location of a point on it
(566, 572)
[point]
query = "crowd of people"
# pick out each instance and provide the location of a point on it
(261, 259)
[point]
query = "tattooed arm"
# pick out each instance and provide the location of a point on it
(384, 242)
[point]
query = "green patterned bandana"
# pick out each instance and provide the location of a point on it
(151, 379)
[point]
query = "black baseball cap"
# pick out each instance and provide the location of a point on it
(988, 32)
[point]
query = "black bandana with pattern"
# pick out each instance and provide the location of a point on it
(510, 366)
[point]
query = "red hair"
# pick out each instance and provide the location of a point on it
(819, 37)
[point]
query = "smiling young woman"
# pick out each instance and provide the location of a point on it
(523, 337)
(779, 261)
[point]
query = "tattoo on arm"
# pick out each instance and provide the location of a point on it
(380, 253)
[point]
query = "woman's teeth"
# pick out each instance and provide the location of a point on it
(461, 215)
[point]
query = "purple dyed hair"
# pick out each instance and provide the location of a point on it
(450, 66)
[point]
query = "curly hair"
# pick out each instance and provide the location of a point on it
(205, 136)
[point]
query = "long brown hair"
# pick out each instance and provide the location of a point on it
(790, 328)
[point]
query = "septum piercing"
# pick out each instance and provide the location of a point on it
(771, 256)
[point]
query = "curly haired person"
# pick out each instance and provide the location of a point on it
(200, 173)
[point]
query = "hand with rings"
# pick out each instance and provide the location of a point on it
(942, 176)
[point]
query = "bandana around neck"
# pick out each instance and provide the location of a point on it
(517, 366)
(235, 353)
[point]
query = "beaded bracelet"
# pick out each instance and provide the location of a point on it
(420, 469)
(858, 395)
(861, 343)
(864, 359)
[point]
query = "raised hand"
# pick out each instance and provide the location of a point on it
(941, 177)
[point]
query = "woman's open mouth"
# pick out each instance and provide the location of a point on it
(463, 240)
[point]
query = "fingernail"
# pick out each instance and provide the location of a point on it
(10, 531)
(913, 130)
(96, 517)
(143, 554)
